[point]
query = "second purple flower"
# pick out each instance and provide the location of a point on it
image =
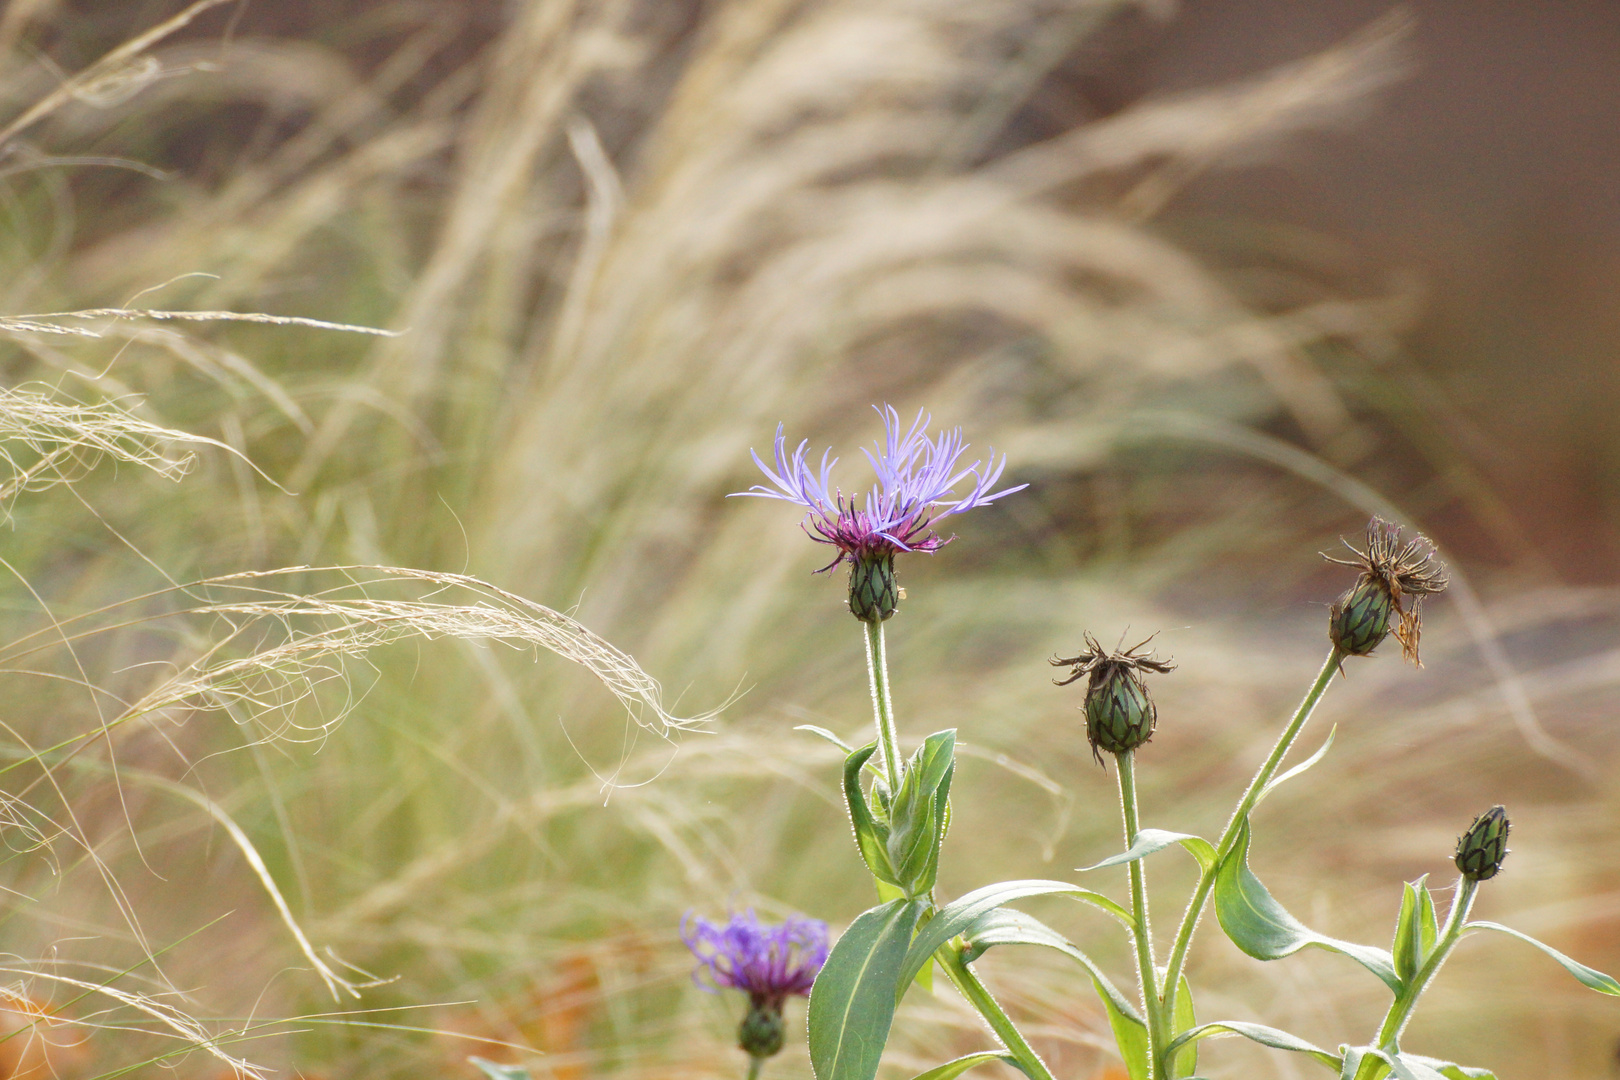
(919, 481)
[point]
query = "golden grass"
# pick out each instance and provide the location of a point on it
(613, 244)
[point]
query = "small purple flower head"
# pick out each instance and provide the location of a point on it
(919, 483)
(768, 962)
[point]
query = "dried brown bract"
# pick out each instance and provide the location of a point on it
(1120, 714)
(1408, 571)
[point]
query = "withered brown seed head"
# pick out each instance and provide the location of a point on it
(1095, 659)
(1120, 715)
(1406, 571)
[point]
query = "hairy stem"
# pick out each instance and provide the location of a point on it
(1142, 931)
(754, 1065)
(1401, 1009)
(950, 958)
(877, 671)
(1251, 794)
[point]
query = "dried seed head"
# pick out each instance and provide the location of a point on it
(873, 593)
(1391, 574)
(1120, 715)
(1482, 848)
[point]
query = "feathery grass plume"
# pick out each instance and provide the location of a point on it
(625, 237)
(1392, 574)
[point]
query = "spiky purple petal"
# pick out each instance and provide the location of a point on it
(917, 486)
(767, 961)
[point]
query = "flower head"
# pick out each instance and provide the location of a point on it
(1481, 849)
(919, 483)
(1391, 573)
(1120, 716)
(768, 962)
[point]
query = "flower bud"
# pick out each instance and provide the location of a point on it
(1119, 714)
(873, 594)
(1482, 848)
(1359, 619)
(760, 1034)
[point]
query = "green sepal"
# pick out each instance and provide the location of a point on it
(1184, 1062)
(1260, 1033)
(853, 999)
(957, 916)
(1149, 841)
(871, 835)
(952, 1069)
(1265, 930)
(1003, 926)
(917, 815)
(1589, 977)
(1416, 930)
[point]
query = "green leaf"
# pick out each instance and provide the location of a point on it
(1265, 1036)
(1415, 929)
(1131, 1037)
(1277, 781)
(952, 1069)
(1184, 1062)
(871, 836)
(499, 1072)
(1003, 926)
(1451, 1070)
(1150, 840)
(1603, 984)
(852, 1001)
(954, 918)
(1261, 927)
(825, 734)
(916, 818)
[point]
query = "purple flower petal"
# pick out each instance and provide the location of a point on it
(767, 961)
(918, 484)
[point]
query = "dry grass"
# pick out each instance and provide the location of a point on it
(613, 244)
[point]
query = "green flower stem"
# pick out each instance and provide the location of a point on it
(1206, 882)
(1401, 1009)
(754, 1065)
(960, 974)
(877, 670)
(1142, 931)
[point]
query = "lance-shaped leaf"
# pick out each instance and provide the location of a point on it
(1603, 984)
(955, 918)
(1149, 841)
(1450, 1069)
(1278, 781)
(871, 835)
(952, 1069)
(1184, 1061)
(1260, 1033)
(852, 1001)
(1131, 1038)
(1003, 926)
(1416, 929)
(917, 815)
(497, 1071)
(1261, 927)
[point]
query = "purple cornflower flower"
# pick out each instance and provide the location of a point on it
(768, 962)
(919, 483)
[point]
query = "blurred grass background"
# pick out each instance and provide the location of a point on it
(1222, 278)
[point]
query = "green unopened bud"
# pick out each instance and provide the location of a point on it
(873, 593)
(1360, 618)
(760, 1034)
(1119, 714)
(1482, 848)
